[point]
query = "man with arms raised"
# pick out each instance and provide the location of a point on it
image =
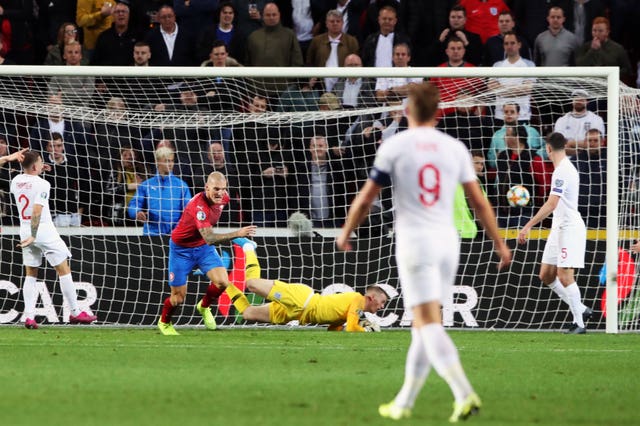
(425, 166)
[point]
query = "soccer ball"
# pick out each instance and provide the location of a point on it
(518, 196)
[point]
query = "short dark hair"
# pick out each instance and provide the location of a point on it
(424, 99)
(55, 136)
(556, 141)
(30, 158)
(458, 8)
(513, 33)
(141, 43)
(219, 43)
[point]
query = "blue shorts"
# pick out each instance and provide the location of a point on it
(182, 260)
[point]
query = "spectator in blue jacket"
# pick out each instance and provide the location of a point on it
(160, 200)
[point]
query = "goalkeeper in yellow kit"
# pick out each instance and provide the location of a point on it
(288, 302)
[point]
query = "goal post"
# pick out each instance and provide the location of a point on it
(126, 268)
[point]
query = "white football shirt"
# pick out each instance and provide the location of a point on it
(29, 190)
(425, 166)
(575, 128)
(565, 183)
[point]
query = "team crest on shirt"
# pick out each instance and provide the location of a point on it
(493, 10)
(559, 182)
(201, 215)
(171, 277)
(44, 195)
(277, 295)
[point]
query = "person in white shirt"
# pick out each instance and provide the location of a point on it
(566, 243)
(395, 88)
(425, 166)
(39, 237)
(518, 89)
(575, 124)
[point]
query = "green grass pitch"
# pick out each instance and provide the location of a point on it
(91, 376)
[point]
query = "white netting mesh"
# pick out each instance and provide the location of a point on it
(105, 116)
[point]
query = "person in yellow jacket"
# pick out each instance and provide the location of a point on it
(94, 16)
(288, 302)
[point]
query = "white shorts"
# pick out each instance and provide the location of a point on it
(427, 266)
(67, 219)
(49, 244)
(566, 247)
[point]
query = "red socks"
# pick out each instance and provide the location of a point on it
(213, 292)
(167, 311)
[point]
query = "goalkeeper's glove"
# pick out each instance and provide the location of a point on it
(369, 326)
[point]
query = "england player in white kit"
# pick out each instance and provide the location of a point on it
(566, 243)
(39, 237)
(425, 166)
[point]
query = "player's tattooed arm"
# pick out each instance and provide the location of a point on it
(36, 214)
(211, 238)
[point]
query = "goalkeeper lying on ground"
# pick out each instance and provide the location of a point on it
(343, 311)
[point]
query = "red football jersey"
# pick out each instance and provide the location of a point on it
(199, 213)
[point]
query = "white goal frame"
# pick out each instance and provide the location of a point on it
(611, 74)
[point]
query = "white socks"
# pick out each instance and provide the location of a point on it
(30, 296)
(559, 289)
(573, 293)
(444, 356)
(69, 292)
(416, 370)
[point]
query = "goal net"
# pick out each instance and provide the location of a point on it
(288, 145)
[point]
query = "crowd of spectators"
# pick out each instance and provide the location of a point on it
(313, 166)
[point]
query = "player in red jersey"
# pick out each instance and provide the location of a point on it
(191, 246)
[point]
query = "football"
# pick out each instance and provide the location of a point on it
(518, 196)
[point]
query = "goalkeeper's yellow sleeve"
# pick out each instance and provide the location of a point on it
(354, 313)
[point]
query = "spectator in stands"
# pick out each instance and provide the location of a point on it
(195, 15)
(423, 22)
(75, 89)
(575, 124)
(519, 89)
(449, 87)
(3, 60)
(377, 50)
(94, 17)
(170, 45)
(469, 122)
(303, 95)
(273, 45)
(483, 16)
(316, 183)
(220, 94)
(304, 17)
(74, 132)
(457, 28)
(591, 162)
(64, 177)
(141, 54)
(214, 160)
(580, 15)
(126, 175)
(249, 15)
(602, 51)
(111, 134)
(67, 33)
(531, 16)
(160, 200)
(52, 14)
(351, 11)
(369, 19)
(511, 113)
(219, 56)
(331, 48)
(494, 47)
(394, 88)
(355, 92)
(225, 30)
(115, 45)
(514, 166)
(556, 46)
